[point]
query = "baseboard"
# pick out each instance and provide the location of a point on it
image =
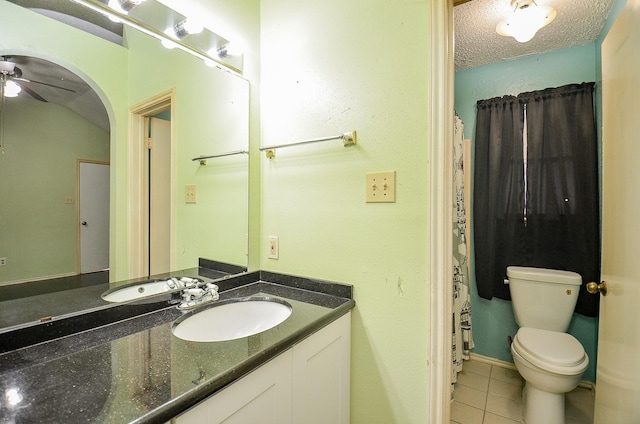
(504, 364)
(492, 361)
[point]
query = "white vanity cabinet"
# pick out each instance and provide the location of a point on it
(309, 383)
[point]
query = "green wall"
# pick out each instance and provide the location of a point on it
(42, 142)
(103, 65)
(330, 67)
(211, 116)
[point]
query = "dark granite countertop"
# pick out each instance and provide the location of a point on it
(134, 370)
(27, 304)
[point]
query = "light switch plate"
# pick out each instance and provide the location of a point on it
(273, 248)
(190, 193)
(381, 187)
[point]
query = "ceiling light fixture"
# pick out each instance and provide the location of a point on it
(527, 18)
(11, 89)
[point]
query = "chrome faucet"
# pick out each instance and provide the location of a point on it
(198, 295)
(181, 283)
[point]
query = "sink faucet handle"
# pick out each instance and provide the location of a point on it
(195, 292)
(212, 287)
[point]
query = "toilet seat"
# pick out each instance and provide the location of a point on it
(551, 351)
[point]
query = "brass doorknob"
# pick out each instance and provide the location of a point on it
(595, 288)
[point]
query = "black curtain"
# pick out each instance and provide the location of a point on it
(498, 193)
(560, 228)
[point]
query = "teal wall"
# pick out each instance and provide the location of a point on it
(493, 320)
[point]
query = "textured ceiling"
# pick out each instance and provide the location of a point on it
(578, 22)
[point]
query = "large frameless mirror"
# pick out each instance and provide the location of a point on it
(65, 148)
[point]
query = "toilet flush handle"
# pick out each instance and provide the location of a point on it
(595, 288)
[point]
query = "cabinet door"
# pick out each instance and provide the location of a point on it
(321, 375)
(262, 397)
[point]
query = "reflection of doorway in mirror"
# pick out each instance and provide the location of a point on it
(159, 176)
(139, 184)
(93, 214)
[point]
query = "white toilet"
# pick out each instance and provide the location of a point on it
(550, 360)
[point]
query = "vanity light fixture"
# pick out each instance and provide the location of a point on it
(187, 27)
(168, 38)
(527, 18)
(225, 51)
(181, 30)
(229, 49)
(124, 6)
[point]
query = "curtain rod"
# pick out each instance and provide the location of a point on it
(348, 139)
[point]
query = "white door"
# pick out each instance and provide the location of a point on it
(618, 370)
(159, 196)
(93, 182)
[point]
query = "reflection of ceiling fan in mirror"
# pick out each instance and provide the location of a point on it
(48, 83)
(13, 83)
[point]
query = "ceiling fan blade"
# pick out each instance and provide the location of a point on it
(44, 83)
(32, 93)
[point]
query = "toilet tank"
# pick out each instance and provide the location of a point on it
(543, 298)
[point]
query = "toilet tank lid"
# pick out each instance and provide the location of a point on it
(545, 275)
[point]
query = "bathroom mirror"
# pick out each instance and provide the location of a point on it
(209, 117)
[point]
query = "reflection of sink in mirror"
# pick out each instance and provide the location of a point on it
(232, 320)
(148, 288)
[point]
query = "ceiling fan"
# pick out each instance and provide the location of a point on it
(12, 83)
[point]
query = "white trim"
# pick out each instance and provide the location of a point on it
(440, 198)
(137, 209)
(491, 361)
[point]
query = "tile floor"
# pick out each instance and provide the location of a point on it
(492, 394)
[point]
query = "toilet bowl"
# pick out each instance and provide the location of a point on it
(552, 364)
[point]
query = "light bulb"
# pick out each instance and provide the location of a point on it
(11, 89)
(525, 22)
(192, 26)
(124, 6)
(229, 49)
(166, 42)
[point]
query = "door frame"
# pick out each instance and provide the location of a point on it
(440, 208)
(138, 213)
(78, 229)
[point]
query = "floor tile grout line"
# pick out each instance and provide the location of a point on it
(487, 393)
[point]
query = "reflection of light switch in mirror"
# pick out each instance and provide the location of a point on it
(190, 193)
(381, 187)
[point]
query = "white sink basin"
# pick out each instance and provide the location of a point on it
(232, 320)
(144, 289)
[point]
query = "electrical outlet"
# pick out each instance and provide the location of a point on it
(3, 261)
(274, 248)
(68, 200)
(190, 193)
(381, 187)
